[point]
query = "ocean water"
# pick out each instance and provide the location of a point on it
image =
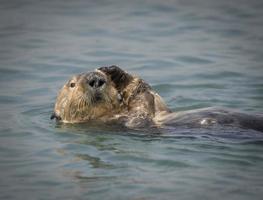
(196, 54)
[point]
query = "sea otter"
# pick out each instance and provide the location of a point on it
(109, 94)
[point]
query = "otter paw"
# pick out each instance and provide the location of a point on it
(117, 75)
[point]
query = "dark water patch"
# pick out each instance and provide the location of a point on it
(62, 79)
(103, 53)
(219, 56)
(9, 153)
(161, 24)
(257, 97)
(102, 143)
(95, 162)
(76, 66)
(218, 136)
(251, 143)
(221, 75)
(174, 164)
(55, 72)
(73, 9)
(139, 13)
(238, 13)
(233, 161)
(10, 34)
(164, 8)
(37, 41)
(29, 46)
(187, 100)
(190, 28)
(155, 65)
(51, 67)
(189, 107)
(8, 133)
(37, 110)
(149, 35)
(92, 32)
(15, 74)
(255, 87)
(37, 92)
(6, 100)
(4, 54)
(134, 36)
(94, 179)
(167, 87)
(232, 154)
(101, 130)
(24, 163)
(234, 33)
(49, 57)
(230, 33)
(10, 5)
(10, 30)
(193, 60)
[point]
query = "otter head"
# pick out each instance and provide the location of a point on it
(88, 96)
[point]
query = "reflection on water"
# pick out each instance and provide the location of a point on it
(195, 54)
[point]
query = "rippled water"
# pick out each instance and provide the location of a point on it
(194, 53)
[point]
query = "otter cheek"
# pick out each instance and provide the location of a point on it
(60, 110)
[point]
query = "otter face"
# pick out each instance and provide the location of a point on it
(88, 96)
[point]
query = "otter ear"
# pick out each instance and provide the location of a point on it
(120, 78)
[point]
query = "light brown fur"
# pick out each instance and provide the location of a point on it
(142, 102)
(74, 105)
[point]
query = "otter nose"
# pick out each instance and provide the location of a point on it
(96, 82)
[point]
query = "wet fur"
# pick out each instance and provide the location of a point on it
(146, 107)
(79, 104)
(129, 100)
(141, 102)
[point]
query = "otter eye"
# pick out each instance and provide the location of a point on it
(92, 83)
(72, 85)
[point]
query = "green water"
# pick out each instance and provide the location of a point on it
(195, 54)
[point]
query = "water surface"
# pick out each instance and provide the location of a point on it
(195, 54)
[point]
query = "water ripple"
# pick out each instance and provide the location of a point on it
(195, 54)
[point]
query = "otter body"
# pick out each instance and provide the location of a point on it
(111, 94)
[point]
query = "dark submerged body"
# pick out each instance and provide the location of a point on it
(215, 117)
